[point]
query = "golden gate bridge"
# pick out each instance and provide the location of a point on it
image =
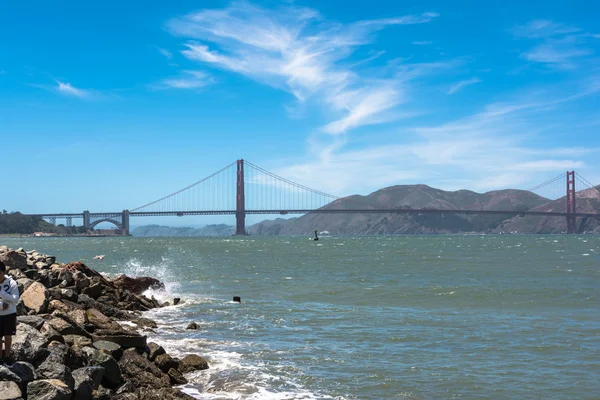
(242, 188)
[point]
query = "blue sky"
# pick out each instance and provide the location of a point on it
(110, 105)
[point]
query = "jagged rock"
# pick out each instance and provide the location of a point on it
(94, 291)
(57, 305)
(77, 340)
(52, 370)
(155, 351)
(36, 298)
(102, 394)
(176, 377)
(112, 373)
(81, 281)
(145, 323)
(32, 320)
(79, 316)
(96, 318)
(125, 339)
(48, 389)
(28, 344)
(142, 372)
(137, 285)
(165, 362)
(25, 373)
(59, 352)
(192, 362)
(10, 391)
(14, 260)
(127, 387)
(109, 348)
(16, 273)
(87, 380)
(50, 333)
(176, 301)
(192, 325)
(7, 375)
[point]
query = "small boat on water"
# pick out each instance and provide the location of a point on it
(99, 257)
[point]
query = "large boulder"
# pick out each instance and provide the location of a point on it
(14, 260)
(165, 362)
(10, 391)
(32, 320)
(142, 372)
(112, 371)
(28, 344)
(137, 285)
(36, 298)
(155, 351)
(87, 380)
(52, 370)
(192, 362)
(49, 389)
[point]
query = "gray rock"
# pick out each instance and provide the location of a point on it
(192, 362)
(10, 391)
(109, 348)
(142, 372)
(112, 374)
(24, 283)
(77, 340)
(155, 351)
(50, 333)
(32, 320)
(48, 389)
(52, 370)
(28, 344)
(192, 325)
(24, 371)
(7, 375)
(165, 362)
(176, 377)
(87, 380)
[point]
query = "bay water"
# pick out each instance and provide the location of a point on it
(416, 317)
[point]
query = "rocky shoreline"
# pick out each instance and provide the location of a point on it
(71, 342)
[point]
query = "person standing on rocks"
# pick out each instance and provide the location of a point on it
(9, 298)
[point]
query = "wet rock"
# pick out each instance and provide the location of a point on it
(141, 372)
(10, 391)
(165, 362)
(137, 285)
(32, 320)
(192, 325)
(48, 389)
(163, 394)
(36, 298)
(145, 323)
(154, 351)
(192, 362)
(176, 301)
(28, 344)
(176, 377)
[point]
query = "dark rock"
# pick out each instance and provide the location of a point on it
(141, 372)
(112, 373)
(102, 394)
(145, 323)
(176, 377)
(154, 351)
(94, 291)
(165, 362)
(192, 325)
(52, 370)
(32, 273)
(25, 371)
(28, 344)
(122, 338)
(23, 284)
(176, 301)
(14, 260)
(59, 352)
(110, 348)
(162, 394)
(50, 333)
(137, 285)
(10, 391)
(87, 380)
(192, 362)
(48, 389)
(68, 294)
(32, 320)
(7, 375)
(127, 387)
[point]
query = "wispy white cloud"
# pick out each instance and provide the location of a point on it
(422, 42)
(69, 90)
(558, 45)
(459, 85)
(166, 53)
(187, 80)
(296, 50)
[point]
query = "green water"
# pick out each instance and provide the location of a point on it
(423, 317)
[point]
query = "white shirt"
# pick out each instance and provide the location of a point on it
(9, 294)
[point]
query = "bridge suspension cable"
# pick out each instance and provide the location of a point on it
(586, 183)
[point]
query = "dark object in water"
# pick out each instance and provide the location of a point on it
(316, 236)
(176, 301)
(237, 299)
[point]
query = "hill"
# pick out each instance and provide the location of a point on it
(408, 196)
(159, 230)
(587, 201)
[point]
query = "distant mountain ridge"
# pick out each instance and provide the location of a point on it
(423, 196)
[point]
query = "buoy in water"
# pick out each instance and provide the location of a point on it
(237, 299)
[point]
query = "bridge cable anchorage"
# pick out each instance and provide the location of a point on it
(170, 196)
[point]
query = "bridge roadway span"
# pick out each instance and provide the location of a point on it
(318, 211)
